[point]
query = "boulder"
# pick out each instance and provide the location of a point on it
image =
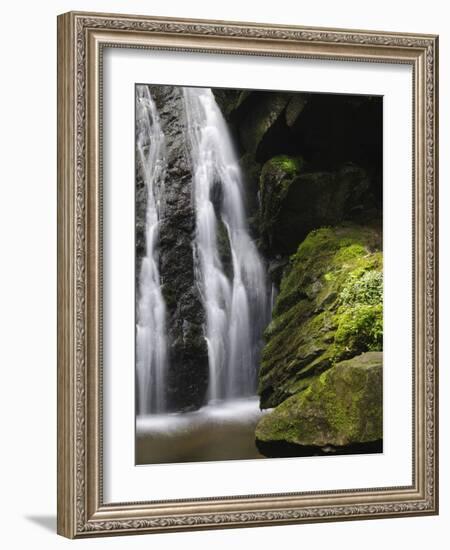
(341, 409)
(329, 308)
(294, 201)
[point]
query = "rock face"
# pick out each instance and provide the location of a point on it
(329, 308)
(292, 202)
(311, 159)
(188, 370)
(313, 168)
(341, 409)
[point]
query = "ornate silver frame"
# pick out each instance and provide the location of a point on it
(81, 37)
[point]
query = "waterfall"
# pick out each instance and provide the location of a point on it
(235, 299)
(151, 345)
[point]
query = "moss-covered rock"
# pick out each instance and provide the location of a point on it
(342, 407)
(293, 202)
(329, 308)
(275, 180)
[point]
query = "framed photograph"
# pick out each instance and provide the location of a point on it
(247, 274)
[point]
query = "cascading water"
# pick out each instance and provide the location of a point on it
(237, 306)
(151, 345)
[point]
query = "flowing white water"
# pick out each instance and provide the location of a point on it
(151, 345)
(236, 305)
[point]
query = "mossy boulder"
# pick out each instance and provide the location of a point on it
(329, 308)
(294, 201)
(341, 408)
(275, 180)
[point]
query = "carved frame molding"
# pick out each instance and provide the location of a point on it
(81, 38)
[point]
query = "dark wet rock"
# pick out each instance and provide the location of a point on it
(188, 364)
(338, 138)
(293, 202)
(230, 100)
(294, 108)
(259, 118)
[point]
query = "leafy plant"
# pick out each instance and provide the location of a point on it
(360, 329)
(363, 288)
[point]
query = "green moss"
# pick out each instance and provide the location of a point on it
(275, 179)
(360, 315)
(360, 328)
(329, 308)
(320, 240)
(342, 406)
(348, 252)
(298, 342)
(363, 287)
(289, 165)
